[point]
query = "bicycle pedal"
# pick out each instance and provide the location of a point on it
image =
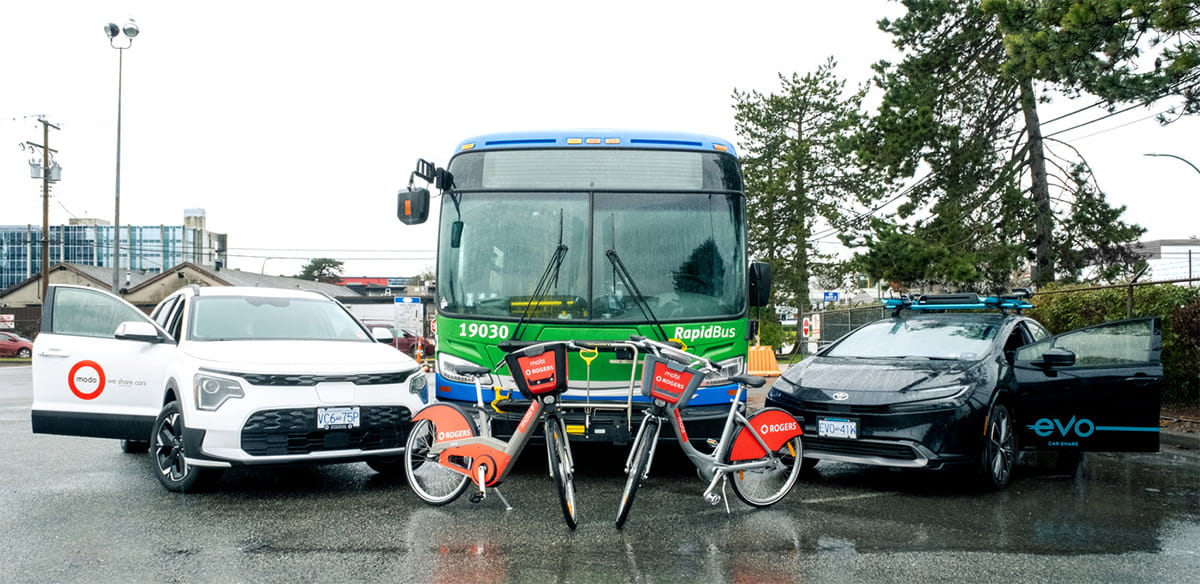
(712, 499)
(477, 497)
(711, 443)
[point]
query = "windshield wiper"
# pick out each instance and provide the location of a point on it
(627, 280)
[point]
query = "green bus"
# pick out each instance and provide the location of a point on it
(592, 235)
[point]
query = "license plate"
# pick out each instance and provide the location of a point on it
(837, 428)
(337, 418)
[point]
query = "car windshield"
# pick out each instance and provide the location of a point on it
(236, 318)
(929, 338)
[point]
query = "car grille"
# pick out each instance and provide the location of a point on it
(859, 448)
(841, 408)
(283, 432)
(301, 380)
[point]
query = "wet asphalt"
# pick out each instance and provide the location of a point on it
(79, 510)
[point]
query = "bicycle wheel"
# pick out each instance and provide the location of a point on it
(765, 486)
(434, 483)
(643, 450)
(558, 455)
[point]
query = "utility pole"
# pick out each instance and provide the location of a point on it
(48, 177)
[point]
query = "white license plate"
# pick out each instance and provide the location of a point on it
(336, 418)
(837, 428)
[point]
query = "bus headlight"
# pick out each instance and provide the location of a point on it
(728, 368)
(448, 367)
(212, 392)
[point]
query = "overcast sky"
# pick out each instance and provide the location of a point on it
(293, 124)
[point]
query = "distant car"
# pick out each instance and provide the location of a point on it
(972, 388)
(405, 341)
(218, 377)
(15, 346)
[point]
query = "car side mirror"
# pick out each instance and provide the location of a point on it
(382, 334)
(413, 206)
(1056, 357)
(138, 331)
(760, 284)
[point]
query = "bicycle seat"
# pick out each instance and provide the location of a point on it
(472, 370)
(750, 380)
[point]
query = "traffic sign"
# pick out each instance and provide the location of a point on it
(805, 327)
(831, 297)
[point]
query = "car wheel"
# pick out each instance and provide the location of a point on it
(999, 449)
(134, 446)
(24, 353)
(167, 459)
(391, 466)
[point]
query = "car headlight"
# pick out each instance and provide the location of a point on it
(728, 368)
(940, 398)
(419, 385)
(448, 368)
(211, 391)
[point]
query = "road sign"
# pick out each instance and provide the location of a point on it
(805, 327)
(406, 300)
(831, 297)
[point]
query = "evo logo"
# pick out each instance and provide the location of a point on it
(1046, 427)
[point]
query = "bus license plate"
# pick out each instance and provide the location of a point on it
(837, 428)
(337, 418)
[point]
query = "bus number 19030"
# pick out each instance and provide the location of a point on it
(487, 331)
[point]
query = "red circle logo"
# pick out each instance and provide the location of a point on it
(75, 378)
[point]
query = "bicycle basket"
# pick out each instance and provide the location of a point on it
(670, 381)
(540, 372)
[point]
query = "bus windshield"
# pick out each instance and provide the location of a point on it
(683, 251)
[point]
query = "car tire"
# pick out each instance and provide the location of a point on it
(389, 466)
(999, 455)
(167, 455)
(135, 446)
(24, 353)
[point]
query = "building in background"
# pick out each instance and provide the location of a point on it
(145, 249)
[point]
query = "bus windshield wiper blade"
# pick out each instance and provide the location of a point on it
(543, 286)
(627, 280)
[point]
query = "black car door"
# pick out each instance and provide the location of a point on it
(1094, 389)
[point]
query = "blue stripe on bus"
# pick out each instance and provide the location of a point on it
(527, 141)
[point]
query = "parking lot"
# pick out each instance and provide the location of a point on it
(79, 510)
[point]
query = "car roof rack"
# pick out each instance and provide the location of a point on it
(1017, 301)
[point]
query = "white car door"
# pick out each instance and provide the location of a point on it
(86, 380)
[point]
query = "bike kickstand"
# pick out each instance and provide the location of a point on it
(507, 507)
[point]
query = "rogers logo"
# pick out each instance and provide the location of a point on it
(669, 382)
(536, 370)
(454, 435)
(772, 428)
(86, 385)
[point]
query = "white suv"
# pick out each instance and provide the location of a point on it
(223, 376)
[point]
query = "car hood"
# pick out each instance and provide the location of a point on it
(876, 382)
(311, 357)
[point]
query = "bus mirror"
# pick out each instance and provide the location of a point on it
(413, 206)
(456, 234)
(760, 283)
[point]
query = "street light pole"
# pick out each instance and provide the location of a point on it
(1185, 161)
(129, 31)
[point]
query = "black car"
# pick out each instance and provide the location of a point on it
(931, 390)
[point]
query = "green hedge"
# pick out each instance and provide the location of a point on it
(1177, 306)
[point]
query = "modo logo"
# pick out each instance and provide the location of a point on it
(1046, 427)
(86, 380)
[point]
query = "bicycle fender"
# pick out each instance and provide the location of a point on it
(449, 421)
(775, 426)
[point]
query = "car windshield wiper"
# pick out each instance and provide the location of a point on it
(631, 286)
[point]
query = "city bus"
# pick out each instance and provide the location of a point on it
(592, 235)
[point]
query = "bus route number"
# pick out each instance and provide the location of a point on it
(487, 331)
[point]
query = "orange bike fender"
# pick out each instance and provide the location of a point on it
(774, 426)
(450, 422)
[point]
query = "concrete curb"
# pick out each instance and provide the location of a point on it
(1184, 440)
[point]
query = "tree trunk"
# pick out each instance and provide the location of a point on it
(1043, 267)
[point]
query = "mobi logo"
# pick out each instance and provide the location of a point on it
(1046, 427)
(86, 380)
(712, 331)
